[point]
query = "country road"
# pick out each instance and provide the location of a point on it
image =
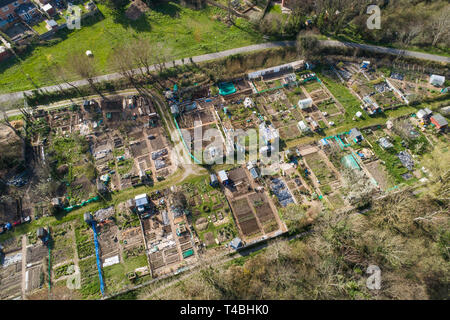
(406, 53)
(222, 54)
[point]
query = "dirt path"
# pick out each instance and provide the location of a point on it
(179, 154)
(24, 266)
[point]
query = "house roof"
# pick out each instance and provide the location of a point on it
(52, 23)
(354, 133)
(254, 173)
(141, 200)
(428, 111)
(236, 243)
(437, 78)
(385, 143)
(24, 8)
(305, 103)
(6, 2)
(440, 120)
(421, 113)
(223, 175)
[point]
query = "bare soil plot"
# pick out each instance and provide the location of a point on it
(138, 149)
(319, 95)
(131, 235)
(12, 244)
(242, 209)
(156, 260)
(249, 227)
(244, 217)
(108, 240)
(379, 173)
(11, 277)
(237, 175)
(262, 207)
(36, 253)
(209, 238)
(206, 116)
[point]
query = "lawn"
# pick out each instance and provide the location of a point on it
(182, 32)
(343, 95)
(115, 276)
(389, 157)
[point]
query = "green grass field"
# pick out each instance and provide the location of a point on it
(182, 32)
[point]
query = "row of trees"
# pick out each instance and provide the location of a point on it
(421, 23)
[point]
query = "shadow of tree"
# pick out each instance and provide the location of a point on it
(167, 8)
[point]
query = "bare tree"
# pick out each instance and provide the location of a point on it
(439, 25)
(84, 67)
(59, 75)
(308, 45)
(123, 61)
(360, 189)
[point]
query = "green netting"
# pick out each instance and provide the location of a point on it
(70, 208)
(188, 253)
(350, 162)
(226, 88)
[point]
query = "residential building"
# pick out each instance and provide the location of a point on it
(26, 11)
(7, 12)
